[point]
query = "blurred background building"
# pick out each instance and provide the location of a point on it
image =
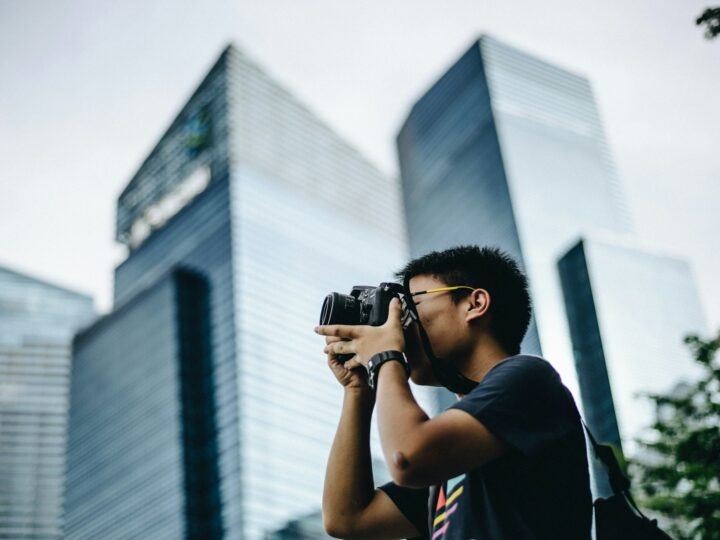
(628, 310)
(37, 322)
(247, 212)
(508, 150)
(144, 444)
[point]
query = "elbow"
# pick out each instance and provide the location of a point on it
(337, 527)
(406, 472)
(332, 527)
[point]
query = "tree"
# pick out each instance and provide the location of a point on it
(711, 18)
(678, 468)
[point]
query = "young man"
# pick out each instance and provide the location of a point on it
(506, 462)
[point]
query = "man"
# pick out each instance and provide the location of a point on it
(506, 462)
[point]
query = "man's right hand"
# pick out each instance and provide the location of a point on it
(351, 379)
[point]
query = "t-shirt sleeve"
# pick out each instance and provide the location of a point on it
(413, 503)
(523, 402)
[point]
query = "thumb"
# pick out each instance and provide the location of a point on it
(394, 312)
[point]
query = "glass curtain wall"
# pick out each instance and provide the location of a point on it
(508, 150)
(37, 322)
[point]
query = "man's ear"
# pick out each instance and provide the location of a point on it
(478, 304)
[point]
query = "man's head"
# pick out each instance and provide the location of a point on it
(499, 305)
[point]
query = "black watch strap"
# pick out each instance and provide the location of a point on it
(379, 359)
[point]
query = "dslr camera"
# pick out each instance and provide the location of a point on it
(365, 305)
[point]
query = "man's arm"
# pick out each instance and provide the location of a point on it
(352, 508)
(419, 451)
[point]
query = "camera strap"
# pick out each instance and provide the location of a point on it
(447, 374)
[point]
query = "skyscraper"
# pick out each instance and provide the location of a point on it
(508, 150)
(37, 322)
(264, 210)
(629, 310)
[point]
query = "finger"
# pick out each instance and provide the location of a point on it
(338, 330)
(333, 362)
(332, 339)
(340, 347)
(353, 363)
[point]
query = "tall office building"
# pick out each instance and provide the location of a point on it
(37, 322)
(508, 150)
(629, 310)
(244, 216)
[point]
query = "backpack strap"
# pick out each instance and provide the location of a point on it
(619, 483)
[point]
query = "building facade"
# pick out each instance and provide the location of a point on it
(508, 150)
(252, 194)
(37, 322)
(629, 310)
(143, 451)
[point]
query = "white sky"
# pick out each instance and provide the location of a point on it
(88, 86)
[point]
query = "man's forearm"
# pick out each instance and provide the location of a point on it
(399, 415)
(348, 478)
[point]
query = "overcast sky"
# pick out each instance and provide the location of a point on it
(88, 86)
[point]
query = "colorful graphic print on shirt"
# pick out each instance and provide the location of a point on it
(447, 504)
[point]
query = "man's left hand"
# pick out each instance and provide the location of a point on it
(366, 341)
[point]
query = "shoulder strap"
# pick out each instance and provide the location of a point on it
(619, 483)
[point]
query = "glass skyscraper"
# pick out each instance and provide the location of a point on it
(508, 150)
(251, 210)
(37, 322)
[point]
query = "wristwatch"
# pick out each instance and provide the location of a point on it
(379, 359)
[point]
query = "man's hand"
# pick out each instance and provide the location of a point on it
(364, 341)
(350, 378)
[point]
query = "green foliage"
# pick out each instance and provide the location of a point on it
(711, 19)
(678, 470)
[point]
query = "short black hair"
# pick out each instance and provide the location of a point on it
(486, 268)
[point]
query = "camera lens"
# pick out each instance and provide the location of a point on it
(340, 309)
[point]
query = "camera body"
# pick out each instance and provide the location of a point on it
(365, 305)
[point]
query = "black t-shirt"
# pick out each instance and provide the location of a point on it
(539, 490)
